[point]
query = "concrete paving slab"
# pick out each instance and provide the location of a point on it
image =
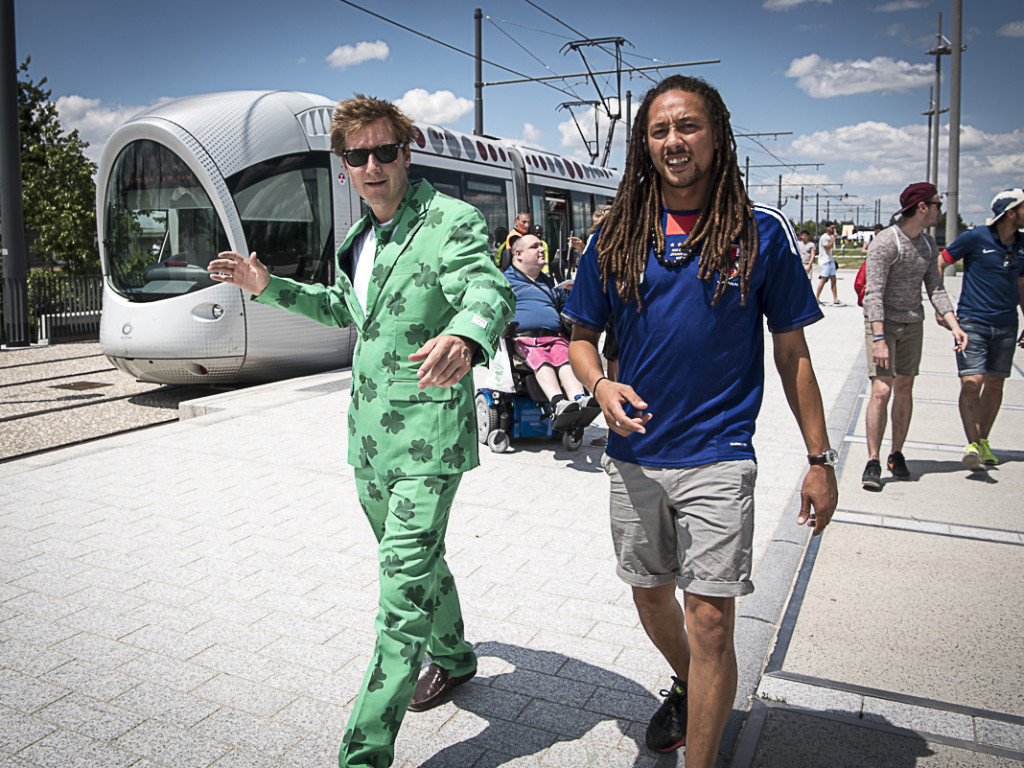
(942, 490)
(940, 424)
(800, 740)
(900, 611)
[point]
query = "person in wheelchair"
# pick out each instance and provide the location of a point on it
(538, 338)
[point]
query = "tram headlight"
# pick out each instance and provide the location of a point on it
(208, 311)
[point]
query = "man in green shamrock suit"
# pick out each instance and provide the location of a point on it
(415, 277)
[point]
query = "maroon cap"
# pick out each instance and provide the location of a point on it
(914, 194)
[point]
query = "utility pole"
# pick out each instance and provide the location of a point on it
(953, 187)
(816, 214)
(629, 116)
(928, 147)
(941, 49)
(15, 257)
(478, 107)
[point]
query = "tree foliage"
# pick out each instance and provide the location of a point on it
(58, 190)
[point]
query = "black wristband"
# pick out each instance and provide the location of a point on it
(593, 389)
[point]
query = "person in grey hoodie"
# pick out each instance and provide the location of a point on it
(899, 259)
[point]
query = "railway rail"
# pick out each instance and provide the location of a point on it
(56, 396)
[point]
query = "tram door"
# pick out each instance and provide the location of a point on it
(556, 230)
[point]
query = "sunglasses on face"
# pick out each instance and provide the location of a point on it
(936, 203)
(385, 153)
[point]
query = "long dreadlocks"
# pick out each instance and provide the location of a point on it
(634, 223)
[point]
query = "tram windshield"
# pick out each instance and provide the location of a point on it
(285, 207)
(161, 228)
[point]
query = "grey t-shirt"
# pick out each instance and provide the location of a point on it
(897, 265)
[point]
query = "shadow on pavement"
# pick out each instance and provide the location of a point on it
(921, 467)
(570, 698)
(797, 740)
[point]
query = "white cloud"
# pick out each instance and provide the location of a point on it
(821, 79)
(572, 144)
(349, 55)
(437, 107)
(785, 5)
(878, 160)
(867, 142)
(531, 133)
(94, 120)
(901, 5)
(1013, 29)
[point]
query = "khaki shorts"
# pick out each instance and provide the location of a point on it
(904, 341)
(691, 525)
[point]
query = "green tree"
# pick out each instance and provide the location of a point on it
(58, 190)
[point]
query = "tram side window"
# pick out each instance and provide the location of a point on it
(490, 199)
(582, 213)
(161, 229)
(487, 195)
(285, 208)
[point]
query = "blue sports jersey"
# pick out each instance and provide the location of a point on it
(989, 292)
(700, 368)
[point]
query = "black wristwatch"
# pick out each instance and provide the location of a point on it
(829, 458)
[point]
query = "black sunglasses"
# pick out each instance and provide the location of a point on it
(385, 153)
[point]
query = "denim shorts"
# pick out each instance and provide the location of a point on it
(989, 349)
(827, 269)
(691, 525)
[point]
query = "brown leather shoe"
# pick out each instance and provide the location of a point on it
(434, 685)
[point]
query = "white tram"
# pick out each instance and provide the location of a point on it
(252, 171)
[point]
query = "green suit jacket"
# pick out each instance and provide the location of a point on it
(433, 277)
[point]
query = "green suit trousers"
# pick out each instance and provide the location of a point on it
(419, 608)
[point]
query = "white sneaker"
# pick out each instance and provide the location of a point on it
(565, 406)
(586, 401)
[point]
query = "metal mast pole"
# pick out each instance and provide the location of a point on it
(15, 258)
(938, 101)
(928, 146)
(953, 188)
(941, 49)
(629, 117)
(816, 214)
(478, 108)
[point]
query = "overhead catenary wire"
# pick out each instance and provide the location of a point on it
(449, 45)
(575, 31)
(528, 52)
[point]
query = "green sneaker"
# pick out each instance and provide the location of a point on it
(972, 457)
(986, 453)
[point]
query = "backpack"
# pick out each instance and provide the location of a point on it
(860, 282)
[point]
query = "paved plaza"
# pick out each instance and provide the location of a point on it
(202, 594)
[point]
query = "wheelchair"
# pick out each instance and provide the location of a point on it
(503, 416)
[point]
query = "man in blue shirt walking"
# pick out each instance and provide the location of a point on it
(688, 268)
(993, 288)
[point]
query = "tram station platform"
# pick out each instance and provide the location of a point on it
(203, 594)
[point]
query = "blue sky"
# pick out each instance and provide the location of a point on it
(848, 78)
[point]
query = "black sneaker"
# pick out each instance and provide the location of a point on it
(667, 730)
(872, 477)
(898, 466)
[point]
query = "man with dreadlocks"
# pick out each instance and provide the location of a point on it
(686, 266)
